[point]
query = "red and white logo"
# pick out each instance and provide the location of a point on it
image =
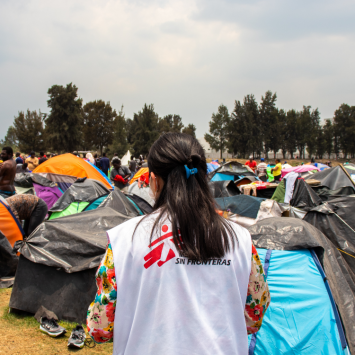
(162, 252)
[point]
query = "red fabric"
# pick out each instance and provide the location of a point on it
(119, 178)
(251, 165)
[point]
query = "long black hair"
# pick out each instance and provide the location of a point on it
(188, 203)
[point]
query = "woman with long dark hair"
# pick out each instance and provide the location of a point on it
(182, 280)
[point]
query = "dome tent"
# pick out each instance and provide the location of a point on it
(84, 195)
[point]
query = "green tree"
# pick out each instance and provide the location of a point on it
(171, 123)
(64, 123)
(244, 133)
(268, 115)
(98, 119)
(120, 142)
(289, 136)
(302, 126)
(321, 143)
(217, 138)
(10, 139)
(28, 129)
(144, 129)
(190, 129)
(344, 126)
(312, 131)
(328, 134)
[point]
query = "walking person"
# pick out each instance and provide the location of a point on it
(133, 166)
(181, 280)
(105, 164)
(42, 158)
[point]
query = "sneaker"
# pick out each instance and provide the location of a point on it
(51, 327)
(77, 338)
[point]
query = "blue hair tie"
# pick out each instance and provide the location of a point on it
(190, 172)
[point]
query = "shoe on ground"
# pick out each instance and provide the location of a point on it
(51, 327)
(77, 338)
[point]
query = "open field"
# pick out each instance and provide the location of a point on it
(20, 335)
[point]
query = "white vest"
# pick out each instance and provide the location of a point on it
(169, 305)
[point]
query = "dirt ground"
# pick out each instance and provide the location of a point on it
(20, 335)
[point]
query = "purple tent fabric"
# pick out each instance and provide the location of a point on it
(49, 195)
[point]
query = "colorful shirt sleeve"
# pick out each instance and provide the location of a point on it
(258, 298)
(101, 313)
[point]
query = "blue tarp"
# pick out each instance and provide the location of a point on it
(222, 177)
(211, 167)
(300, 318)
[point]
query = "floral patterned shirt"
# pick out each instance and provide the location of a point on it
(101, 313)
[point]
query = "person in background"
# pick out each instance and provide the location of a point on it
(276, 170)
(42, 158)
(22, 168)
(7, 172)
(97, 161)
(182, 261)
(105, 164)
(251, 163)
(132, 166)
(119, 174)
(32, 161)
(261, 170)
(329, 163)
(29, 208)
(19, 160)
(90, 158)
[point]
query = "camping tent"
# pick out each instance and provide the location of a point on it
(138, 174)
(223, 188)
(142, 192)
(126, 158)
(59, 260)
(10, 226)
(66, 168)
(308, 285)
(334, 182)
(231, 171)
(8, 258)
(83, 195)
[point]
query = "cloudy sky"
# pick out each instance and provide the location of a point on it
(185, 56)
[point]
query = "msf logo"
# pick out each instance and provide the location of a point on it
(162, 252)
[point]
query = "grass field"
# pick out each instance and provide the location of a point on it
(20, 334)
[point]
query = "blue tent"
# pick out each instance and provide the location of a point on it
(303, 315)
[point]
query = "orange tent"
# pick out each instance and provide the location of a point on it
(70, 165)
(10, 227)
(138, 174)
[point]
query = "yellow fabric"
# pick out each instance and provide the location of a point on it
(69, 164)
(138, 174)
(278, 168)
(32, 163)
(8, 226)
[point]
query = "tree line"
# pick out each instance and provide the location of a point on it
(71, 126)
(255, 129)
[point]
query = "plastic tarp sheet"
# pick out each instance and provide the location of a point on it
(223, 188)
(27, 180)
(333, 178)
(327, 195)
(24, 190)
(336, 219)
(300, 318)
(243, 205)
(304, 196)
(87, 190)
(295, 234)
(211, 167)
(8, 258)
(72, 243)
(279, 194)
(119, 203)
(142, 205)
(222, 177)
(95, 204)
